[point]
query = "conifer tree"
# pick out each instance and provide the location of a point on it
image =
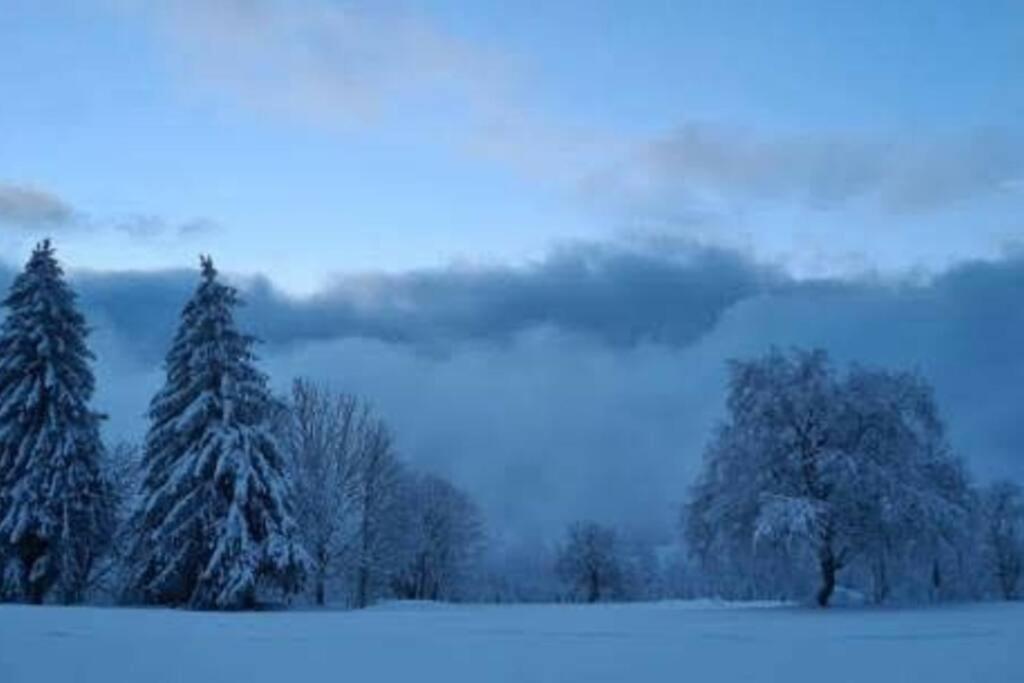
(55, 518)
(215, 521)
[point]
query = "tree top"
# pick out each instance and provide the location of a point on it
(206, 265)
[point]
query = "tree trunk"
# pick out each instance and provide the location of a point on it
(881, 582)
(594, 588)
(421, 577)
(828, 577)
(1009, 575)
(32, 549)
(35, 593)
(362, 587)
(936, 581)
(323, 560)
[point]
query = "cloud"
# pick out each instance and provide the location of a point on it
(197, 226)
(612, 295)
(34, 210)
(338, 65)
(587, 383)
(29, 207)
(792, 197)
(705, 167)
(152, 227)
(323, 61)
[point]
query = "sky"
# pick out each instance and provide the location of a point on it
(546, 222)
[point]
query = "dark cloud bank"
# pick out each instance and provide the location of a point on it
(588, 383)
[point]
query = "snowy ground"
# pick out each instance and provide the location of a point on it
(406, 642)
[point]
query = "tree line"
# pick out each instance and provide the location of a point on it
(817, 483)
(820, 482)
(238, 496)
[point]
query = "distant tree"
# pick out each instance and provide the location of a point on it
(643, 577)
(1003, 535)
(588, 562)
(442, 539)
(54, 514)
(216, 516)
(519, 571)
(121, 469)
(812, 466)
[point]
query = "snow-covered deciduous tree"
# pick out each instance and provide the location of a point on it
(54, 514)
(365, 519)
(813, 467)
(914, 501)
(588, 562)
(215, 521)
(766, 472)
(442, 537)
(376, 487)
(1003, 535)
(323, 433)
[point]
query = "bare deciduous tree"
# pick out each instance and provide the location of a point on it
(321, 431)
(442, 539)
(374, 499)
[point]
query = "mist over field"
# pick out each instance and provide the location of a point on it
(599, 367)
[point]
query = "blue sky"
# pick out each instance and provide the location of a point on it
(309, 139)
(531, 234)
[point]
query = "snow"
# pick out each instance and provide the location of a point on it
(700, 641)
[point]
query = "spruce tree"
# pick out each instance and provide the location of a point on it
(215, 521)
(54, 514)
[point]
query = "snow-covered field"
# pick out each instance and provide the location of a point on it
(409, 642)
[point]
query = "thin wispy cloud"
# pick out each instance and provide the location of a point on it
(788, 194)
(35, 211)
(711, 165)
(24, 206)
(338, 66)
(326, 62)
(475, 118)
(153, 227)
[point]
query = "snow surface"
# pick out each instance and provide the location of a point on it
(674, 641)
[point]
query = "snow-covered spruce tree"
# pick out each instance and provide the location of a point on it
(54, 513)
(215, 521)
